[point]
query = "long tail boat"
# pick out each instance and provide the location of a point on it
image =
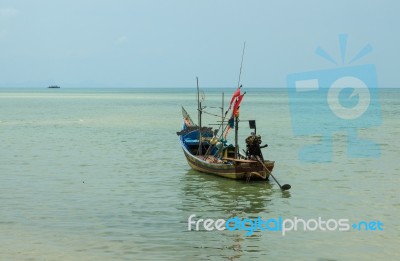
(207, 150)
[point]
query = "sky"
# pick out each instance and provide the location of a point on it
(161, 43)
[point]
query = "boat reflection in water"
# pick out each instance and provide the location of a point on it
(209, 197)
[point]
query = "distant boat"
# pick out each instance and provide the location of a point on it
(54, 87)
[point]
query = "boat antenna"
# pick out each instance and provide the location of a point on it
(241, 63)
(221, 126)
(239, 86)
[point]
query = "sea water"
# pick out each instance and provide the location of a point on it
(98, 174)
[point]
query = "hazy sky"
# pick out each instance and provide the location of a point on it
(116, 43)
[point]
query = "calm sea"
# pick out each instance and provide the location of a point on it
(97, 174)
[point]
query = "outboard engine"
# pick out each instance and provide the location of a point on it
(253, 146)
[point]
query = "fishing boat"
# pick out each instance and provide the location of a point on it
(53, 87)
(207, 150)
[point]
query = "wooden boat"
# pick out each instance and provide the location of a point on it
(207, 150)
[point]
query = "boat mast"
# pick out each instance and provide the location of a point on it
(199, 151)
(237, 116)
(236, 136)
(241, 63)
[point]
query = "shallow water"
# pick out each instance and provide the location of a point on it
(98, 174)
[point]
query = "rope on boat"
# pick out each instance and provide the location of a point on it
(206, 112)
(257, 174)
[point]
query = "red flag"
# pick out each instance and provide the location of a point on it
(235, 94)
(237, 104)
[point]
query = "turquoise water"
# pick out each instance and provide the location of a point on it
(97, 174)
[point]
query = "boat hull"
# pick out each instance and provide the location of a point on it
(232, 169)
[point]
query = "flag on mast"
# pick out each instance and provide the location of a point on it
(237, 98)
(235, 95)
(237, 104)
